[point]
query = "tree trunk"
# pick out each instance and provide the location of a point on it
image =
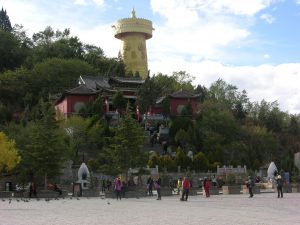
(46, 181)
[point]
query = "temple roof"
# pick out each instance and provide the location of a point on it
(183, 94)
(94, 82)
(97, 83)
(80, 90)
(136, 80)
(178, 94)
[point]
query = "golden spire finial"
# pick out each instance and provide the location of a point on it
(133, 13)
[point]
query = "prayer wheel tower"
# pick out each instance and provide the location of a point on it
(133, 33)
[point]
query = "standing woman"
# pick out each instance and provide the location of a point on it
(206, 185)
(157, 186)
(279, 186)
(118, 187)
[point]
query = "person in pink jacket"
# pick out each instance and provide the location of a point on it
(118, 187)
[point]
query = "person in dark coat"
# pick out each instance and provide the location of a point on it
(157, 185)
(250, 185)
(32, 189)
(279, 186)
(150, 186)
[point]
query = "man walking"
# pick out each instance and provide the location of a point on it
(250, 185)
(186, 185)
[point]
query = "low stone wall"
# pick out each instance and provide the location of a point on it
(25, 194)
(214, 191)
(166, 191)
(296, 189)
(90, 193)
(193, 191)
(131, 192)
(6, 194)
(231, 190)
(245, 190)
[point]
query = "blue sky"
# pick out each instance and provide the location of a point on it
(253, 44)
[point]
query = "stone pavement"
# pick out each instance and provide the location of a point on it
(263, 209)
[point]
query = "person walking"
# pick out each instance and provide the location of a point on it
(103, 186)
(186, 185)
(250, 185)
(118, 187)
(179, 185)
(150, 186)
(32, 189)
(157, 185)
(206, 186)
(279, 186)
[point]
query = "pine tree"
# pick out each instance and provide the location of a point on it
(5, 24)
(124, 150)
(45, 151)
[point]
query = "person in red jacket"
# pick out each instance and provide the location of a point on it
(207, 186)
(186, 185)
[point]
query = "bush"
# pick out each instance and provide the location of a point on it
(230, 179)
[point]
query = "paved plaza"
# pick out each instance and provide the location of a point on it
(222, 209)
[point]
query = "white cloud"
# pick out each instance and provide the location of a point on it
(241, 7)
(297, 2)
(100, 35)
(80, 2)
(268, 18)
(269, 82)
(86, 2)
(99, 2)
(266, 56)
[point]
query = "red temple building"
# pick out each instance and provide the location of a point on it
(178, 101)
(71, 101)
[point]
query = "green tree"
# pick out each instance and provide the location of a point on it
(182, 160)
(93, 109)
(200, 162)
(45, 150)
(9, 156)
(124, 149)
(168, 163)
(119, 102)
(5, 24)
(11, 53)
(182, 138)
(146, 95)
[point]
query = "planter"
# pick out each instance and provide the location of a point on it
(193, 191)
(228, 190)
(166, 191)
(295, 188)
(214, 191)
(130, 192)
(245, 190)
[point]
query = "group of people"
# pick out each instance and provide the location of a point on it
(154, 184)
(184, 186)
(250, 183)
